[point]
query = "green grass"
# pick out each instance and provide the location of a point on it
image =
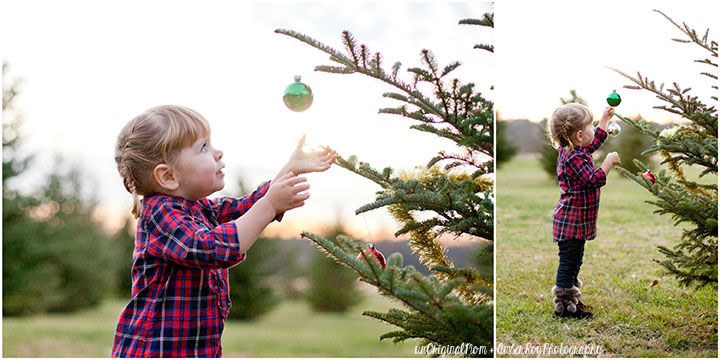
(632, 318)
(290, 330)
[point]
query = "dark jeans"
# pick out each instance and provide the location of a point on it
(570, 253)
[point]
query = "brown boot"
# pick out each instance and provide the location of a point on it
(566, 303)
(583, 307)
(580, 304)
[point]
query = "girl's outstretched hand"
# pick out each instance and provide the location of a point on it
(301, 162)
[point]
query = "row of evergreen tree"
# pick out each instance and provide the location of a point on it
(55, 254)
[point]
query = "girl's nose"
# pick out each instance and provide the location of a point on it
(218, 154)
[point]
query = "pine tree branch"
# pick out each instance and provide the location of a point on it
(685, 106)
(460, 202)
(353, 65)
(671, 197)
(436, 311)
(689, 146)
(695, 257)
(487, 20)
(468, 105)
(712, 47)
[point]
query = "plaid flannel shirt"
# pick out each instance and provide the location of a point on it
(575, 216)
(180, 295)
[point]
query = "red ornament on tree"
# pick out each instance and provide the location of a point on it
(371, 251)
(650, 176)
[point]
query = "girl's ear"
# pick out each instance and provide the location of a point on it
(577, 137)
(165, 177)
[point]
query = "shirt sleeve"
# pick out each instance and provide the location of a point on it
(229, 209)
(584, 170)
(178, 238)
(598, 139)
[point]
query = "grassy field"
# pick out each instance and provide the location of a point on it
(291, 330)
(633, 318)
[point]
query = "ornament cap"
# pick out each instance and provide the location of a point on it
(297, 79)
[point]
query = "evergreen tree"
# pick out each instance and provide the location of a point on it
(548, 154)
(123, 243)
(504, 148)
(17, 225)
(453, 192)
(13, 162)
(631, 144)
(693, 260)
(332, 286)
(251, 290)
(56, 256)
(78, 246)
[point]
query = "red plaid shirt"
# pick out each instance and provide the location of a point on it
(180, 294)
(575, 216)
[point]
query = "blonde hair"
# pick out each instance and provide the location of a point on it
(565, 121)
(152, 138)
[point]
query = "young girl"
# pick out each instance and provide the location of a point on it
(575, 216)
(185, 242)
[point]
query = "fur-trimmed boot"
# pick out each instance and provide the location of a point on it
(566, 303)
(580, 304)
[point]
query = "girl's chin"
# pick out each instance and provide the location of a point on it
(220, 185)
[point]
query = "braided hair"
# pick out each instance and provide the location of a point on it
(565, 122)
(152, 138)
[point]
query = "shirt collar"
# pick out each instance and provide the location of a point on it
(196, 205)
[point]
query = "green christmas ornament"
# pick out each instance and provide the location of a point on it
(298, 97)
(614, 99)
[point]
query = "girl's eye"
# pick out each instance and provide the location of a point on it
(203, 148)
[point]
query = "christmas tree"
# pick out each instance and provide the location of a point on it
(332, 286)
(694, 259)
(631, 144)
(453, 193)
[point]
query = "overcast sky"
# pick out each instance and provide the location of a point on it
(88, 67)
